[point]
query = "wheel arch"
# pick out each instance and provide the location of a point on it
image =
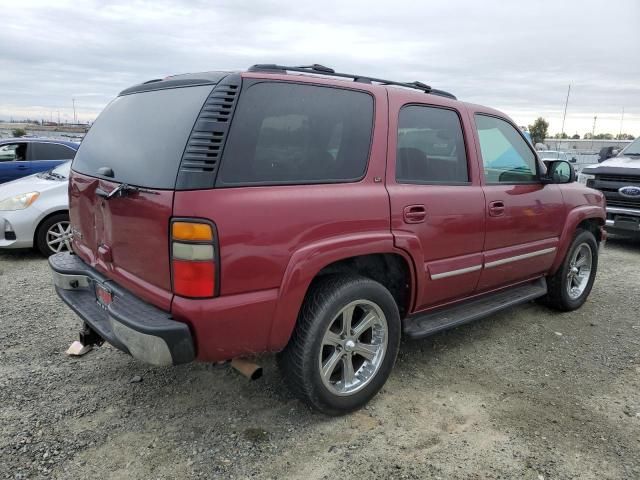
(591, 218)
(371, 255)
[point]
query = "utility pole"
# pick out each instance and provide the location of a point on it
(621, 120)
(75, 119)
(58, 117)
(566, 103)
(593, 130)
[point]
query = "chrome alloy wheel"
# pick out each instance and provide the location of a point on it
(353, 347)
(579, 270)
(59, 236)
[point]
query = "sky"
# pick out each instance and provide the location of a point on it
(516, 56)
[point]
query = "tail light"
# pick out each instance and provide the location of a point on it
(194, 258)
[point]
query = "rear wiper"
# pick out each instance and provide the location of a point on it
(122, 190)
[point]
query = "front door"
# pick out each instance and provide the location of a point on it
(524, 217)
(437, 203)
(13, 161)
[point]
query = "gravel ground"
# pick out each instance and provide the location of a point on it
(527, 394)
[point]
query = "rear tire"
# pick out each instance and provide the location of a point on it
(344, 344)
(569, 287)
(54, 235)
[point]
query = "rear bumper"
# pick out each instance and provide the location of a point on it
(129, 324)
(623, 220)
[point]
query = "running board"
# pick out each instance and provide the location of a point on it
(425, 324)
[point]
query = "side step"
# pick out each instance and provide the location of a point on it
(422, 325)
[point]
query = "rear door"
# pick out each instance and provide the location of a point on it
(138, 140)
(437, 203)
(45, 155)
(524, 217)
(13, 161)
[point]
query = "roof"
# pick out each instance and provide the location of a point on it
(73, 145)
(311, 71)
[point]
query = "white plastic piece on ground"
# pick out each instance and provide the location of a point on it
(77, 349)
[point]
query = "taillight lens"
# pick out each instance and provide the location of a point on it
(193, 259)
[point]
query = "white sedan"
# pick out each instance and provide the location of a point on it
(34, 211)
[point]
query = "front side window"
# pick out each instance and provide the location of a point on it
(285, 133)
(430, 146)
(13, 152)
(505, 154)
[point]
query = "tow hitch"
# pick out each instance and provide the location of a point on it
(88, 338)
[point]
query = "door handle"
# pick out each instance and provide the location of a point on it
(22, 167)
(414, 213)
(496, 209)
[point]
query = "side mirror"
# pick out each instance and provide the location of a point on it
(559, 171)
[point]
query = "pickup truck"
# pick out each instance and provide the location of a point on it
(618, 178)
(315, 214)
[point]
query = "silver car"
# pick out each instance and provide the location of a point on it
(34, 211)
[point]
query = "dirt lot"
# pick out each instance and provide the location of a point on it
(526, 394)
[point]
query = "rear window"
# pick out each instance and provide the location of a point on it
(141, 137)
(285, 133)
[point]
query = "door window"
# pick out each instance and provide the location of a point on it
(506, 156)
(430, 147)
(13, 152)
(51, 151)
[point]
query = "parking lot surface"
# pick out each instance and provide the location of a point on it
(528, 393)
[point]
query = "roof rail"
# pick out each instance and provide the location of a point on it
(322, 70)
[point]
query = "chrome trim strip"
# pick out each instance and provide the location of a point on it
(524, 256)
(609, 223)
(629, 211)
(453, 273)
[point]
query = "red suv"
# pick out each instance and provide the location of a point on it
(315, 214)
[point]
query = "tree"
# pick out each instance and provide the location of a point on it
(561, 135)
(18, 132)
(587, 136)
(539, 130)
(603, 136)
(625, 136)
(576, 136)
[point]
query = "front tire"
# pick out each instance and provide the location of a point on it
(344, 345)
(54, 235)
(570, 286)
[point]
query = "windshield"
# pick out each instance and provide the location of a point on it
(633, 149)
(142, 136)
(62, 169)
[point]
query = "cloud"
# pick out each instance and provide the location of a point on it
(516, 56)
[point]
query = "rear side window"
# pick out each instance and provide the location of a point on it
(285, 133)
(506, 156)
(51, 151)
(142, 136)
(430, 146)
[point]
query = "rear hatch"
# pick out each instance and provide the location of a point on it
(139, 141)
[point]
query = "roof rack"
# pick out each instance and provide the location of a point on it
(322, 70)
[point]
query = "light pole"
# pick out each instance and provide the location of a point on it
(593, 130)
(75, 119)
(566, 103)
